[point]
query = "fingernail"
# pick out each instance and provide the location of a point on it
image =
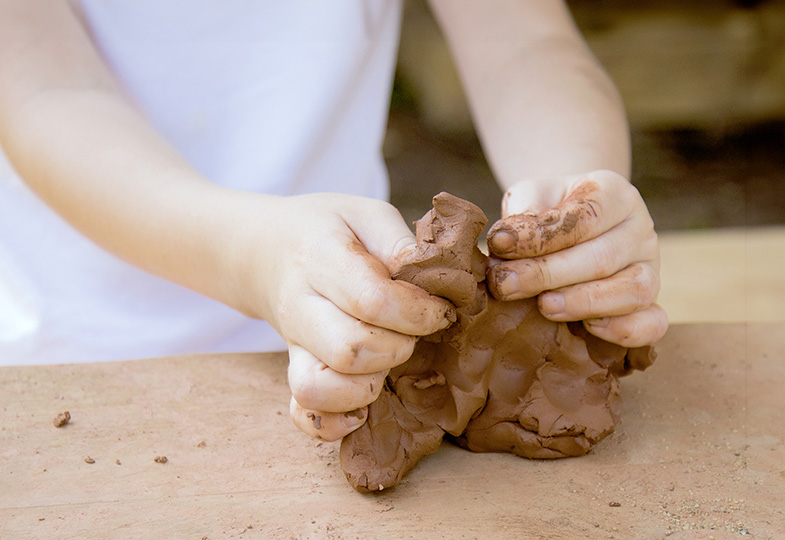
(600, 323)
(355, 418)
(552, 303)
(502, 241)
(507, 282)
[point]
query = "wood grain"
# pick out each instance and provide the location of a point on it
(698, 455)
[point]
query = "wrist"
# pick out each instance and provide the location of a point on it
(243, 246)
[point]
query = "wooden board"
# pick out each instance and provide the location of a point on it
(724, 275)
(698, 455)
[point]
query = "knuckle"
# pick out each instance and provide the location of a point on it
(305, 252)
(622, 330)
(534, 276)
(371, 302)
(639, 328)
(404, 349)
(359, 391)
(642, 293)
(603, 258)
(285, 310)
(303, 383)
(613, 181)
(401, 249)
(645, 285)
(649, 240)
(303, 393)
(369, 350)
(346, 355)
(662, 320)
(586, 299)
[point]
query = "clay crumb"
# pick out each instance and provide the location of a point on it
(317, 420)
(614, 504)
(89, 460)
(356, 413)
(62, 419)
(202, 444)
(160, 459)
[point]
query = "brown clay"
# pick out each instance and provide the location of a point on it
(501, 378)
(62, 419)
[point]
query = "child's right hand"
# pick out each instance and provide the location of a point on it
(325, 286)
(316, 267)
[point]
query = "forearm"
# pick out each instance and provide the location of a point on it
(93, 159)
(542, 104)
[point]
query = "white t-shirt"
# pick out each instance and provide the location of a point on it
(280, 97)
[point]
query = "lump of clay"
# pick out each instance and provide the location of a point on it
(502, 378)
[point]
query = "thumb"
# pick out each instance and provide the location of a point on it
(578, 208)
(383, 232)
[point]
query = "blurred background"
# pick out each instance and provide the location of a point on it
(704, 86)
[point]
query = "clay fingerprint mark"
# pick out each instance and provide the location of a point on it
(501, 378)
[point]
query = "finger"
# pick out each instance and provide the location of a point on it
(326, 426)
(634, 330)
(595, 259)
(342, 342)
(381, 230)
(318, 387)
(593, 205)
(530, 197)
(629, 290)
(364, 289)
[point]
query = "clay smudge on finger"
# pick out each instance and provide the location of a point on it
(356, 413)
(548, 231)
(316, 420)
(501, 378)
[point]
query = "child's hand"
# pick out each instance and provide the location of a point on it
(586, 245)
(329, 294)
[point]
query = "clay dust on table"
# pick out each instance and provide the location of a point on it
(501, 378)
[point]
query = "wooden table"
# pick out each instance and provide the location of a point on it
(698, 455)
(724, 275)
